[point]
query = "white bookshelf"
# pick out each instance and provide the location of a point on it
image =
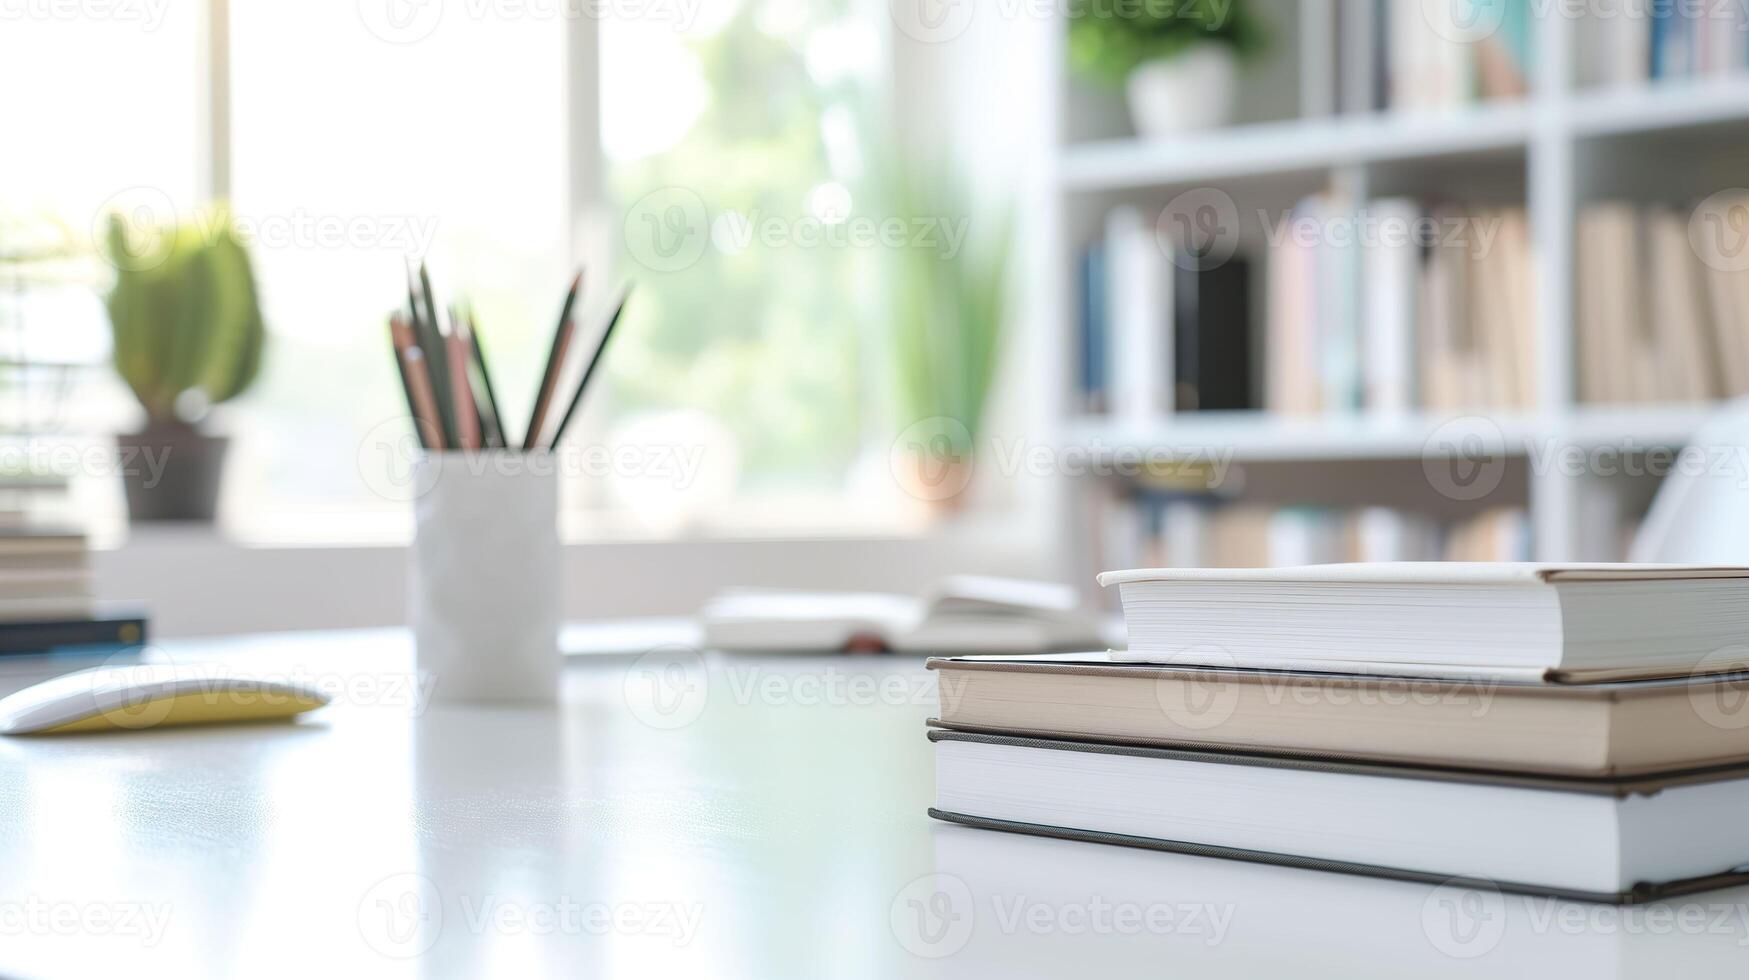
(1260, 437)
(1550, 147)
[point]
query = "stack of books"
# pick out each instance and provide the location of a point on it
(46, 603)
(1578, 730)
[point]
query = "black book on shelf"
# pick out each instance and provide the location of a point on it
(1212, 336)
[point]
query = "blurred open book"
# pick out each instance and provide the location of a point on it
(962, 614)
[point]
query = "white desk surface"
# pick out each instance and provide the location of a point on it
(676, 816)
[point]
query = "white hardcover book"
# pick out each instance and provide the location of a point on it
(1391, 281)
(1570, 622)
(1338, 307)
(1303, 536)
(1384, 534)
(1630, 35)
(1609, 841)
(1140, 311)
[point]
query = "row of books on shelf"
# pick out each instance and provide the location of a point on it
(1394, 55)
(1437, 54)
(1653, 321)
(1194, 533)
(1629, 43)
(1416, 307)
(47, 602)
(1394, 307)
(1387, 307)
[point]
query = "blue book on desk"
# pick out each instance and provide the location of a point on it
(100, 632)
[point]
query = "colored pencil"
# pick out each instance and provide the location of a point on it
(467, 416)
(431, 345)
(493, 419)
(588, 372)
(421, 397)
(555, 361)
(401, 338)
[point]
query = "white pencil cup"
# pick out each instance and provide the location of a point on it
(486, 576)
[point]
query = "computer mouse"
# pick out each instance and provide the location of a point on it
(136, 696)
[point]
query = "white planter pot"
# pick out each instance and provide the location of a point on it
(1194, 90)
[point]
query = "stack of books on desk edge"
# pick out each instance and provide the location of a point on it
(45, 596)
(1576, 730)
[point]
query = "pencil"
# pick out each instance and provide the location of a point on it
(420, 391)
(555, 360)
(431, 346)
(594, 360)
(467, 416)
(494, 419)
(401, 338)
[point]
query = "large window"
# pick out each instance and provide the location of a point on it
(448, 144)
(102, 108)
(733, 133)
(735, 146)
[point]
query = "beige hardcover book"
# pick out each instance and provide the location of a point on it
(1593, 340)
(1520, 268)
(1728, 291)
(1490, 318)
(1679, 307)
(1617, 729)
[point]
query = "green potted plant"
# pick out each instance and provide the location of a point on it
(948, 306)
(188, 335)
(1177, 60)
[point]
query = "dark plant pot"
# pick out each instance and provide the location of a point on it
(171, 472)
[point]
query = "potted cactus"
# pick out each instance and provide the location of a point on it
(188, 335)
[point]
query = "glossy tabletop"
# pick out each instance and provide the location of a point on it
(677, 814)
